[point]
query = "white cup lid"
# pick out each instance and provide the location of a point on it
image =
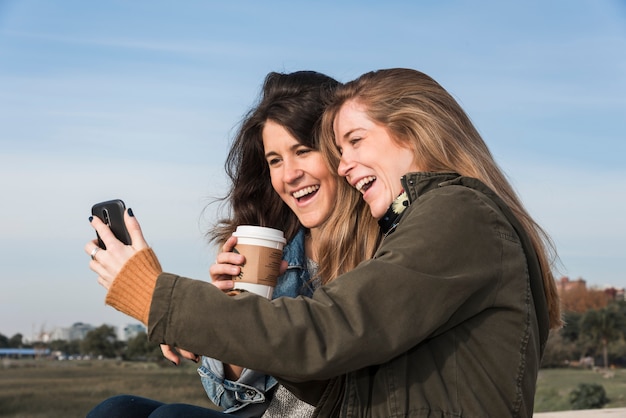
(251, 231)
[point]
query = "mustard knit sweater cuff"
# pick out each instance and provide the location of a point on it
(132, 290)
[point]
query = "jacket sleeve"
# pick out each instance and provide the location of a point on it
(440, 266)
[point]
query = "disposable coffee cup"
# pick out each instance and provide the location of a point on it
(263, 249)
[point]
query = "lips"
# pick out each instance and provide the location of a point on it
(305, 191)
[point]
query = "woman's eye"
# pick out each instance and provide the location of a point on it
(302, 151)
(273, 161)
(354, 141)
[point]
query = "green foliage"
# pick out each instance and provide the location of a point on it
(588, 396)
(559, 351)
(64, 346)
(101, 341)
(602, 327)
(598, 333)
(16, 341)
(139, 348)
(571, 329)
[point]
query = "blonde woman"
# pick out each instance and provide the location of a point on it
(449, 318)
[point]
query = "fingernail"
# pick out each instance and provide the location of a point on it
(173, 362)
(130, 212)
(90, 219)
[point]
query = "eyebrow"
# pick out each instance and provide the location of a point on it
(350, 132)
(291, 148)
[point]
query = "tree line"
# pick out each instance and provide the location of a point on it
(101, 342)
(594, 334)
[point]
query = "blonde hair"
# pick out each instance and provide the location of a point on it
(418, 112)
(350, 235)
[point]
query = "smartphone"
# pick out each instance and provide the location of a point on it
(111, 213)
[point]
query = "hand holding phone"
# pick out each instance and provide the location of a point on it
(111, 213)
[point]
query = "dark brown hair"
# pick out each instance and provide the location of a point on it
(296, 101)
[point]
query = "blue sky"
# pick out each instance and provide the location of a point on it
(138, 100)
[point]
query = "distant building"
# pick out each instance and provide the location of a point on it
(615, 294)
(23, 352)
(60, 334)
(78, 331)
(564, 284)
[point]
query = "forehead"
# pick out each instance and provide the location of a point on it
(273, 131)
(351, 117)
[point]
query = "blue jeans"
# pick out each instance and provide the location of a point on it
(129, 406)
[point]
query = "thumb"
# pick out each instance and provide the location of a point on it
(283, 266)
(134, 230)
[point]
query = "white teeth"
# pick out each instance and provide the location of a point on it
(364, 181)
(305, 191)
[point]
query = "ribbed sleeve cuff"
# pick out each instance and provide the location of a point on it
(132, 290)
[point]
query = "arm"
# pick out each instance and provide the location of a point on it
(139, 264)
(442, 260)
(442, 256)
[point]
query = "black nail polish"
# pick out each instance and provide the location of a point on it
(173, 362)
(90, 219)
(130, 212)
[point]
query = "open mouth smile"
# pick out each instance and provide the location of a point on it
(305, 192)
(365, 183)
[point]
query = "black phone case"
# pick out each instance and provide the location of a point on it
(111, 213)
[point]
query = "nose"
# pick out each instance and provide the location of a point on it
(345, 165)
(291, 172)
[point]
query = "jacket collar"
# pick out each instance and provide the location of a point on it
(416, 184)
(294, 250)
(391, 218)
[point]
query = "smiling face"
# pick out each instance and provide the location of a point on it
(371, 160)
(299, 176)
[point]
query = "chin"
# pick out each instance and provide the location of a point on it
(376, 214)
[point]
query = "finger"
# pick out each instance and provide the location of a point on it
(103, 282)
(230, 258)
(104, 231)
(170, 354)
(134, 230)
(229, 244)
(283, 266)
(221, 271)
(224, 285)
(189, 355)
(89, 247)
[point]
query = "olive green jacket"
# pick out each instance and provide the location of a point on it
(441, 322)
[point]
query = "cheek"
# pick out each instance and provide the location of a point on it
(275, 179)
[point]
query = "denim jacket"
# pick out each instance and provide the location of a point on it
(253, 389)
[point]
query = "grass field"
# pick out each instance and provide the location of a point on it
(42, 389)
(554, 386)
(38, 389)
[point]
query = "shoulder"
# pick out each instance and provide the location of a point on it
(293, 252)
(452, 217)
(454, 202)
